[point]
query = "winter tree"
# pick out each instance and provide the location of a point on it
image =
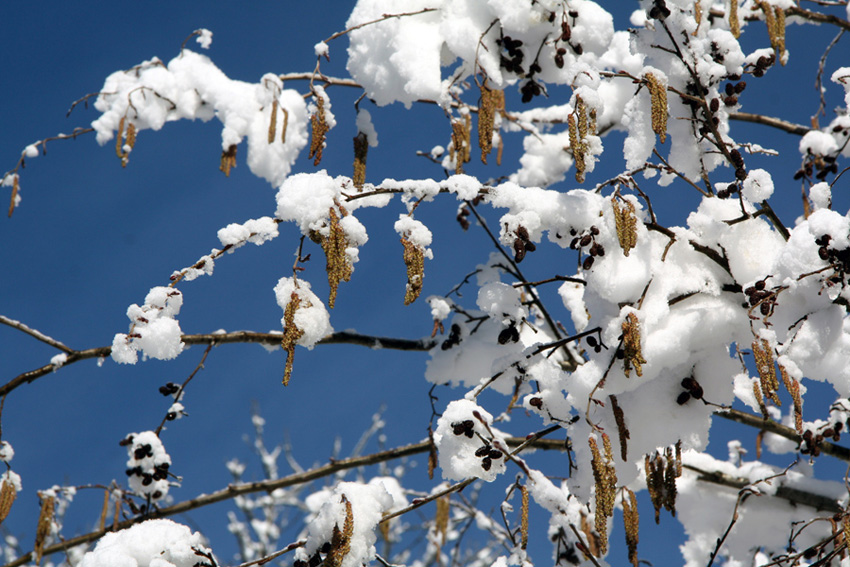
(521, 258)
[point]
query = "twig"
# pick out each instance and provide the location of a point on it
(36, 334)
(276, 554)
(789, 127)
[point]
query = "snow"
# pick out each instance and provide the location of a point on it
(154, 331)
(204, 38)
(458, 453)
(154, 543)
(7, 453)
(311, 317)
(147, 465)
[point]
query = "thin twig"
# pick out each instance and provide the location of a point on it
(36, 334)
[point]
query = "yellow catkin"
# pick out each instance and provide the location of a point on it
(780, 35)
(793, 387)
(291, 334)
(775, 20)
(228, 160)
(487, 119)
(734, 23)
(441, 520)
(285, 124)
(631, 521)
(577, 147)
(45, 522)
(319, 130)
(273, 123)
(119, 138)
(104, 510)
(129, 143)
(622, 430)
(658, 97)
(760, 399)
(460, 151)
(347, 530)
(845, 527)
(763, 353)
(7, 498)
(605, 479)
(625, 221)
(414, 259)
(697, 16)
(361, 149)
(631, 345)
(523, 527)
(338, 267)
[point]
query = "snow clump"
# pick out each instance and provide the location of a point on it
(154, 543)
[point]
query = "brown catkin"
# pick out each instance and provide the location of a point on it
(43, 528)
(119, 138)
(487, 110)
(523, 529)
(625, 221)
(228, 160)
(7, 498)
(622, 430)
(273, 123)
(793, 387)
(338, 266)
(441, 521)
(763, 353)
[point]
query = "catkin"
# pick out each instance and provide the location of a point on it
(291, 334)
(631, 345)
(361, 149)
(414, 260)
(658, 96)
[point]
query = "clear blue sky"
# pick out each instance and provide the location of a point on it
(90, 239)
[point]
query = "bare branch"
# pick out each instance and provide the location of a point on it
(789, 127)
(34, 333)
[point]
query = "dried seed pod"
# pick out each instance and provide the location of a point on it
(658, 95)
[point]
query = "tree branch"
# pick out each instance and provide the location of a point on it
(758, 422)
(235, 490)
(789, 127)
(273, 339)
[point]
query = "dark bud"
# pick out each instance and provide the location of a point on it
(519, 250)
(730, 89)
(815, 451)
(139, 453)
(799, 175)
(807, 435)
(621, 354)
(760, 285)
(810, 553)
(468, 424)
(165, 390)
(697, 392)
(714, 105)
(594, 231)
(315, 560)
(750, 291)
(828, 432)
(171, 416)
(126, 441)
(734, 77)
(146, 479)
(457, 428)
(536, 402)
(591, 341)
(588, 263)
(573, 231)
(551, 19)
(823, 252)
(495, 454)
(530, 246)
(509, 335)
(739, 88)
(740, 174)
(326, 547)
(573, 14)
(486, 463)
(577, 48)
(683, 398)
(482, 451)
(522, 232)
(600, 250)
(559, 61)
(561, 51)
(764, 308)
(156, 495)
(723, 194)
(585, 240)
(758, 72)
(469, 433)
(838, 426)
(689, 383)
(574, 243)
(730, 100)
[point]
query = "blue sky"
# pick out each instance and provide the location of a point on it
(90, 238)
